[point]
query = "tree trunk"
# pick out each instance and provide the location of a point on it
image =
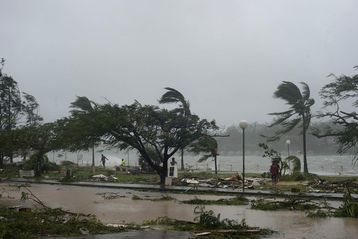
(93, 164)
(38, 170)
(1, 160)
(305, 167)
(11, 156)
(164, 173)
(216, 164)
(182, 159)
(162, 176)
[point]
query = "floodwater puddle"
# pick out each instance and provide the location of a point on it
(90, 200)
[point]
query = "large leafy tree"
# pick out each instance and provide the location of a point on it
(144, 128)
(166, 131)
(16, 110)
(298, 114)
(342, 91)
(174, 96)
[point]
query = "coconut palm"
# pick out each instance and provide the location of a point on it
(208, 145)
(174, 96)
(298, 114)
(82, 106)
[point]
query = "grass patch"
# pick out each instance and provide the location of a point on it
(230, 201)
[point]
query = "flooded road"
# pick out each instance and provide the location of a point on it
(122, 209)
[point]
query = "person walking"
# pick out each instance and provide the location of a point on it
(103, 160)
(274, 170)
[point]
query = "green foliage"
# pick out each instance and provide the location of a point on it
(300, 105)
(15, 108)
(163, 198)
(239, 200)
(319, 213)
(343, 89)
(68, 164)
(153, 156)
(205, 144)
(288, 204)
(299, 112)
(207, 219)
(46, 165)
(270, 153)
(273, 155)
(174, 96)
(295, 163)
(135, 197)
(54, 222)
(349, 207)
(134, 126)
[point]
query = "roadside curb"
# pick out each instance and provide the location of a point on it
(187, 189)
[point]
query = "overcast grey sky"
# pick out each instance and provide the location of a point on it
(226, 57)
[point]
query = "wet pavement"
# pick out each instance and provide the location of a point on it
(248, 192)
(136, 235)
(90, 200)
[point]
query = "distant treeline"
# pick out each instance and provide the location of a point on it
(255, 133)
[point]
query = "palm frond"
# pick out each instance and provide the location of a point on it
(282, 119)
(282, 113)
(204, 158)
(174, 96)
(305, 92)
(171, 96)
(288, 126)
(289, 92)
(81, 105)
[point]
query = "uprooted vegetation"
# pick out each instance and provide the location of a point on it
(18, 222)
(287, 204)
(239, 200)
(47, 221)
(320, 184)
(208, 225)
(162, 198)
(349, 207)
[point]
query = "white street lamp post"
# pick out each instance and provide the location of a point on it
(288, 142)
(243, 125)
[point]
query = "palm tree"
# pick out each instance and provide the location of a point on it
(174, 96)
(208, 145)
(299, 112)
(81, 106)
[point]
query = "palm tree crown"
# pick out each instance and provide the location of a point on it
(174, 96)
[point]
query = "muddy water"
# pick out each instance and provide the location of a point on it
(289, 224)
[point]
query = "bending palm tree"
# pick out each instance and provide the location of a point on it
(174, 96)
(81, 106)
(299, 112)
(209, 145)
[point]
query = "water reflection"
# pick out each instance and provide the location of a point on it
(289, 224)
